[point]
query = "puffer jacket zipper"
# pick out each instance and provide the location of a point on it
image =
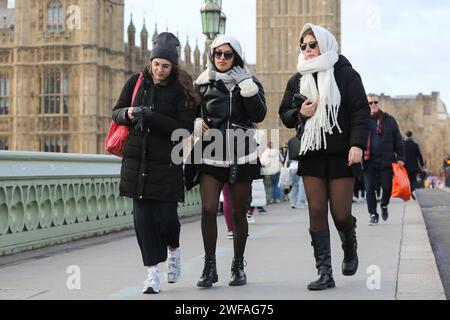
(229, 128)
(143, 169)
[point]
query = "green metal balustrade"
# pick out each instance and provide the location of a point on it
(48, 199)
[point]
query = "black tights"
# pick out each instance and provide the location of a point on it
(210, 189)
(339, 193)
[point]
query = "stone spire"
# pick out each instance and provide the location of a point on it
(187, 52)
(155, 35)
(144, 38)
(131, 34)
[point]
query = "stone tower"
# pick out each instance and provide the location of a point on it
(67, 69)
(278, 24)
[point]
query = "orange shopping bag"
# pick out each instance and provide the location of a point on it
(400, 183)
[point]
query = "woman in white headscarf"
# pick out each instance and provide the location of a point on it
(326, 101)
(232, 102)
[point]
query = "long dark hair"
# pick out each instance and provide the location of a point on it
(183, 78)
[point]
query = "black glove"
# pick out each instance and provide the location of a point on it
(140, 115)
(298, 100)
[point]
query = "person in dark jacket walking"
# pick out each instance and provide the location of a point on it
(166, 101)
(413, 160)
(385, 147)
(233, 101)
(327, 102)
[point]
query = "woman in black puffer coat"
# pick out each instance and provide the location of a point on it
(165, 102)
(326, 100)
(232, 101)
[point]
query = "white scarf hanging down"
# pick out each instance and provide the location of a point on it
(327, 91)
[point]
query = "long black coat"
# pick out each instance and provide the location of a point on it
(413, 156)
(353, 116)
(147, 168)
(392, 147)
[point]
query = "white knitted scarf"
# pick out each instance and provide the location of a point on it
(326, 91)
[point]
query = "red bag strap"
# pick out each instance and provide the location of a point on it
(136, 88)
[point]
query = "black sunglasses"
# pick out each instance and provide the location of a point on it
(312, 45)
(228, 55)
(373, 102)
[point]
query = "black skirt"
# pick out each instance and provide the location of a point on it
(325, 166)
(246, 172)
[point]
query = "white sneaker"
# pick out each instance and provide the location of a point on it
(250, 218)
(152, 284)
(174, 266)
(230, 235)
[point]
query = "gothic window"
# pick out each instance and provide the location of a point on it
(4, 95)
(4, 143)
(286, 7)
(55, 16)
(54, 93)
(59, 144)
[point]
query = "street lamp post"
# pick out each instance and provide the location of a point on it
(210, 13)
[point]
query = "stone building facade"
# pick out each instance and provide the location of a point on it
(426, 116)
(62, 66)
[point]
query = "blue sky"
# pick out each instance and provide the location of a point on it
(399, 47)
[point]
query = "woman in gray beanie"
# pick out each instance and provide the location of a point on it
(165, 101)
(233, 101)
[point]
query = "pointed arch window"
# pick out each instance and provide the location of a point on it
(4, 94)
(4, 145)
(55, 16)
(54, 93)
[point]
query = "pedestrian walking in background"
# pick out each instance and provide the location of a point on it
(227, 210)
(259, 200)
(166, 101)
(413, 161)
(297, 196)
(333, 116)
(271, 162)
(384, 148)
(233, 101)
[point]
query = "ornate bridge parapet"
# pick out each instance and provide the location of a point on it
(47, 199)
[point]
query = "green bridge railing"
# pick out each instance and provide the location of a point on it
(47, 199)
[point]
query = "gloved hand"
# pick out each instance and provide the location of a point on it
(138, 119)
(239, 74)
(140, 115)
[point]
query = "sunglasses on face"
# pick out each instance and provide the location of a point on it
(312, 45)
(373, 103)
(228, 55)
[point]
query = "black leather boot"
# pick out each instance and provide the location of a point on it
(238, 277)
(209, 275)
(322, 254)
(350, 246)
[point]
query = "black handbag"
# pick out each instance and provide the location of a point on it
(294, 148)
(193, 163)
(295, 142)
(191, 167)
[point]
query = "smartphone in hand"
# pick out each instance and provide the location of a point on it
(298, 100)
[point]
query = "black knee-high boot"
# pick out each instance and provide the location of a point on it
(322, 254)
(209, 275)
(350, 246)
